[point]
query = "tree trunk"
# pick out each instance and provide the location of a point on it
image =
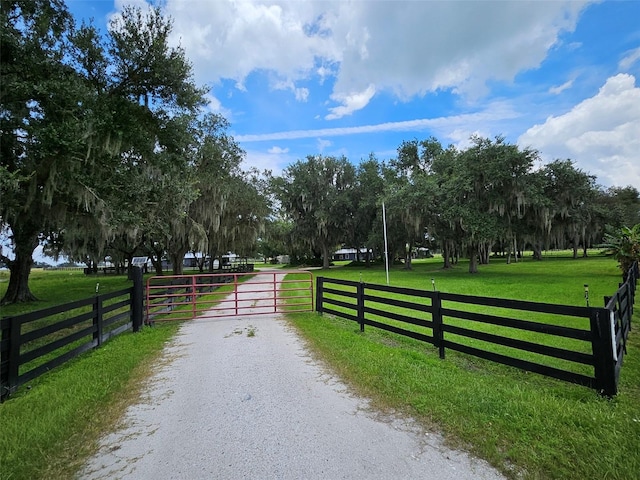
(19, 269)
(484, 251)
(176, 261)
(407, 258)
(326, 261)
(156, 260)
(537, 251)
(512, 248)
(446, 255)
(473, 258)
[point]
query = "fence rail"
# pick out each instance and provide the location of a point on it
(31, 345)
(582, 345)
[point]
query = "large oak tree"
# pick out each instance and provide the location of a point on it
(82, 115)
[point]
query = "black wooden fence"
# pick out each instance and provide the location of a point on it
(620, 308)
(31, 345)
(583, 345)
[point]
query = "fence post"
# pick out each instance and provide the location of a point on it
(235, 292)
(319, 292)
(12, 356)
(275, 293)
(137, 299)
(436, 318)
(360, 302)
(602, 348)
(5, 338)
(97, 321)
(194, 295)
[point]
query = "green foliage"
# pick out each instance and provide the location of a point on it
(624, 246)
(85, 120)
(316, 195)
(276, 239)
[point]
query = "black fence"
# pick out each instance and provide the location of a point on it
(34, 343)
(583, 345)
(620, 308)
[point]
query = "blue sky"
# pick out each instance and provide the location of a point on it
(352, 78)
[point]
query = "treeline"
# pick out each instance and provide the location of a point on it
(487, 198)
(107, 151)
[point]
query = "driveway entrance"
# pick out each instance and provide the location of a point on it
(211, 295)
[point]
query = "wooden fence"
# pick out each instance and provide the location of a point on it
(583, 345)
(32, 345)
(620, 308)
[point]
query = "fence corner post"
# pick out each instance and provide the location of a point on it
(319, 294)
(137, 299)
(11, 356)
(602, 348)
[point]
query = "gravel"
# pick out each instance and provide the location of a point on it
(241, 398)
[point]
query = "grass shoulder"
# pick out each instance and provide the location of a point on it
(49, 429)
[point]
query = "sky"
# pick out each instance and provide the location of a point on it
(356, 78)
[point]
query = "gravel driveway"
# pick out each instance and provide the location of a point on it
(241, 398)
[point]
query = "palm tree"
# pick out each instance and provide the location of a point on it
(624, 246)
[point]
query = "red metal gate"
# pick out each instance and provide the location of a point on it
(183, 297)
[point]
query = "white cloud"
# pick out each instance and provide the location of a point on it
(278, 150)
(406, 47)
(350, 102)
(302, 94)
(275, 159)
(231, 39)
(601, 134)
(444, 126)
(215, 106)
(561, 88)
(629, 59)
(416, 47)
(323, 144)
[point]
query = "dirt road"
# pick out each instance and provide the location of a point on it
(241, 398)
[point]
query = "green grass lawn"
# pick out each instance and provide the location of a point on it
(526, 425)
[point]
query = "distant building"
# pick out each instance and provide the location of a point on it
(283, 259)
(349, 254)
